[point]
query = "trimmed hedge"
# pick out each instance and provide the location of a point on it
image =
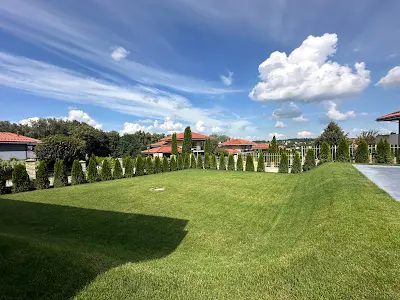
(362, 154)
(117, 174)
(261, 163)
(239, 163)
(149, 165)
(199, 163)
(139, 166)
(20, 179)
(192, 161)
(2, 180)
(42, 176)
(77, 176)
(296, 168)
(180, 162)
(92, 173)
(284, 163)
(129, 172)
(60, 174)
(325, 154)
(222, 162)
(213, 162)
(165, 164)
(106, 171)
(310, 160)
(173, 163)
(157, 165)
(249, 163)
(343, 152)
(231, 163)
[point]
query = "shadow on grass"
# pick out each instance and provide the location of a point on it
(51, 251)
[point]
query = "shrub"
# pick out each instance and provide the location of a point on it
(192, 162)
(249, 163)
(383, 153)
(77, 176)
(106, 171)
(60, 174)
(273, 147)
(325, 155)
(92, 173)
(139, 166)
(42, 176)
(284, 163)
(173, 163)
(222, 162)
(174, 146)
(206, 160)
(165, 164)
(180, 162)
(2, 180)
(231, 163)
(296, 168)
(157, 165)
(362, 154)
(213, 162)
(117, 170)
(20, 179)
(343, 152)
(149, 165)
(129, 167)
(186, 164)
(310, 160)
(239, 163)
(261, 163)
(199, 163)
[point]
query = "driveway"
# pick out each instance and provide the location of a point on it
(385, 177)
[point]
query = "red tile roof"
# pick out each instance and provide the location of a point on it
(158, 144)
(236, 142)
(8, 137)
(233, 151)
(162, 149)
(390, 117)
(180, 136)
(261, 146)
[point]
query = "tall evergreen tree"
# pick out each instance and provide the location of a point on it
(310, 160)
(296, 168)
(149, 165)
(180, 162)
(249, 163)
(213, 162)
(139, 166)
(165, 164)
(174, 147)
(231, 163)
(92, 173)
(239, 163)
(332, 134)
(207, 146)
(77, 175)
(3, 188)
(192, 162)
(129, 172)
(199, 163)
(261, 163)
(106, 173)
(222, 166)
(206, 160)
(325, 154)
(383, 152)
(42, 176)
(172, 163)
(60, 174)
(343, 151)
(117, 174)
(157, 165)
(273, 147)
(283, 163)
(362, 154)
(186, 162)
(187, 141)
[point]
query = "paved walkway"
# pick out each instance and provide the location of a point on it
(385, 177)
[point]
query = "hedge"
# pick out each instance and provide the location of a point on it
(42, 176)
(325, 154)
(284, 163)
(157, 165)
(199, 163)
(60, 174)
(192, 162)
(296, 168)
(129, 171)
(239, 163)
(249, 163)
(310, 160)
(231, 163)
(343, 152)
(139, 166)
(117, 174)
(92, 173)
(77, 176)
(222, 162)
(106, 171)
(261, 163)
(206, 160)
(149, 165)
(20, 179)
(362, 154)
(165, 164)
(173, 163)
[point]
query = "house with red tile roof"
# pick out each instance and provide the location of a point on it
(13, 145)
(261, 147)
(236, 146)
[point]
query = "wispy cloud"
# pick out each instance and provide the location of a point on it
(227, 80)
(119, 53)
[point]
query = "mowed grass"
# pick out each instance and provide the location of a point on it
(325, 234)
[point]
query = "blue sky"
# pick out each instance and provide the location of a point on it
(248, 69)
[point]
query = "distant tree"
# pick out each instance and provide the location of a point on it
(273, 147)
(206, 160)
(20, 179)
(239, 163)
(157, 165)
(284, 163)
(113, 141)
(362, 154)
(106, 171)
(77, 175)
(187, 141)
(261, 163)
(192, 162)
(165, 164)
(310, 160)
(3, 180)
(221, 151)
(296, 168)
(249, 163)
(213, 144)
(325, 154)
(222, 166)
(149, 165)
(60, 174)
(369, 136)
(139, 166)
(174, 147)
(343, 151)
(220, 138)
(129, 172)
(383, 152)
(332, 134)
(42, 176)
(173, 163)
(92, 173)
(213, 162)
(117, 174)
(186, 162)
(180, 162)
(199, 163)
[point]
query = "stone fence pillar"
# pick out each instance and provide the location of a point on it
(30, 165)
(83, 165)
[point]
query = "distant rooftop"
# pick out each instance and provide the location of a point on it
(8, 137)
(394, 116)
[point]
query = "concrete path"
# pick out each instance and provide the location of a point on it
(385, 177)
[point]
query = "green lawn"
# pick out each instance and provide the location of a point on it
(325, 234)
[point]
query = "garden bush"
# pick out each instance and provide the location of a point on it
(106, 170)
(362, 154)
(343, 151)
(231, 163)
(192, 162)
(213, 162)
(239, 163)
(92, 172)
(199, 163)
(165, 164)
(60, 174)
(206, 160)
(325, 154)
(261, 163)
(20, 179)
(128, 167)
(284, 163)
(117, 174)
(3, 189)
(383, 153)
(157, 165)
(222, 162)
(249, 163)
(310, 160)
(296, 168)
(139, 166)
(77, 176)
(186, 163)
(173, 163)
(180, 162)
(149, 165)
(42, 176)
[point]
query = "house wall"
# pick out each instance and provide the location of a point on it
(393, 139)
(240, 147)
(19, 151)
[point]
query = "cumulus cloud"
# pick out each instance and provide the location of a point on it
(391, 79)
(275, 134)
(29, 121)
(227, 80)
(81, 116)
(307, 74)
(167, 126)
(119, 53)
(131, 128)
(200, 127)
(288, 111)
(335, 115)
(300, 119)
(279, 124)
(304, 134)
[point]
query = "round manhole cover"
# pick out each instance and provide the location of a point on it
(157, 189)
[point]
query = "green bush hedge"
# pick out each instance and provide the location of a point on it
(231, 163)
(139, 166)
(128, 167)
(239, 163)
(325, 154)
(117, 174)
(77, 176)
(222, 166)
(206, 160)
(60, 174)
(157, 165)
(149, 165)
(106, 173)
(296, 168)
(165, 164)
(343, 151)
(173, 163)
(20, 179)
(42, 176)
(362, 154)
(284, 163)
(199, 163)
(310, 160)
(261, 163)
(92, 172)
(249, 163)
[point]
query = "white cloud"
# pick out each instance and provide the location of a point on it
(217, 129)
(168, 125)
(304, 134)
(200, 126)
(301, 119)
(227, 80)
(131, 128)
(276, 135)
(279, 124)
(81, 116)
(392, 79)
(29, 121)
(307, 74)
(288, 111)
(119, 53)
(335, 115)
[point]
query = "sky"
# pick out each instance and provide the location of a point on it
(249, 69)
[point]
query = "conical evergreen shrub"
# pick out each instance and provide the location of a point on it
(149, 165)
(222, 166)
(139, 166)
(60, 174)
(128, 167)
(239, 163)
(249, 163)
(296, 168)
(186, 163)
(325, 154)
(343, 151)
(310, 160)
(231, 163)
(283, 163)
(383, 153)
(192, 162)
(106, 170)
(180, 162)
(3, 180)
(172, 163)
(362, 153)
(20, 179)
(77, 176)
(206, 160)
(157, 165)
(42, 176)
(199, 163)
(261, 163)
(117, 174)
(92, 172)
(165, 164)
(213, 162)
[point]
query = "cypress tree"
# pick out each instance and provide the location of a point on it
(284, 163)
(60, 174)
(92, 173)
(128, 167)
(186, 163)
(2, 180)
(325, 154)
(106, 171)
(362, 154)
(174, 147)
(273, 147)
(77, 176)
(249, 163)
(173, 163)
(180, 162)
(296, 168)
(165, 164)
(117, 170)
(206, 160)
(207, 147)
(310, 160)
(383, 153)
(222, 166)
(139, 166)
(187, 141)
(343, 152)
(149, 165)
(213, 162)
(199, 163)
(20, 179)
(231, 163)
(389, 158)
(192, 161)
(157, 165)
(261, 163)
(42, 176)
(239, 163)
